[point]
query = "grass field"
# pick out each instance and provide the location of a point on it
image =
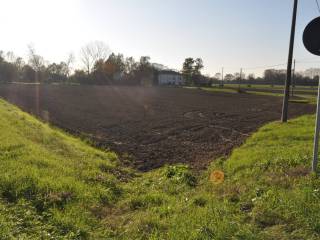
(264, 86)
(302, 94)
(49, 181)
(54, 186)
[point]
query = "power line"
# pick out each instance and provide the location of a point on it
(307, 59)
(260, 67)
(301, 61)
(306, 62)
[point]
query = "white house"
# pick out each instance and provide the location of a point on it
(170, 77)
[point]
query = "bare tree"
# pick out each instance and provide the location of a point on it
(36, 61)
(19, 63)
(10, 57)
(93, 52)
(70, 61)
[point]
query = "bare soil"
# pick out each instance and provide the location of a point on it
(151, 127)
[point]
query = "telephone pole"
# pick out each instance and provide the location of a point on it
(240, 78)
(222, 77)
(284, 117)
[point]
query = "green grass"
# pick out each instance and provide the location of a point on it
(262, 86)
(214, 89)
(54, 186)
(275, 87)
(233, 88)
(268, 193)
(54, 178)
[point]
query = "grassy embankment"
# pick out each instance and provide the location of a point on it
(53, 186)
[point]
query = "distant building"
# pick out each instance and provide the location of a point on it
(170, 77)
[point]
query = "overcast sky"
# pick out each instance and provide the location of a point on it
(229, 33)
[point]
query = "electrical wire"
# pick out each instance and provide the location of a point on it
(298, 61)
(313, 62)
(302, 60)
(277, 65)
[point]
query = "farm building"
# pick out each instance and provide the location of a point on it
(170, 77)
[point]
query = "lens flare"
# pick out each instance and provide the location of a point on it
(216, 177)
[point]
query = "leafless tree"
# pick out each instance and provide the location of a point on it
(10, 57)
(19, 63)
(36, 61)
(93, 52)
(70, 61)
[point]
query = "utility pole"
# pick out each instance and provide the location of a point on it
(222, 77)
(284, 117)
(316, 135)
(293, 77)
(240, 78)
(311, 41)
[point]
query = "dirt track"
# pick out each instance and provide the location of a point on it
(155, 126)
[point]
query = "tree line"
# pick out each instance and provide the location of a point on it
(101, 66)
(270, 77)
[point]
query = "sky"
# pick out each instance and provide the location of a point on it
(232, 34)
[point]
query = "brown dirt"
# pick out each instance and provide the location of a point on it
(154, 126)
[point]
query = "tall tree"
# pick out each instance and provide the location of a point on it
(69, 63)
(57, 72)
(115, 66)
(145, 71)
(187, 70)
(28, 74)
(198, 66)
(8, 72)
(19, 63)
(144, 62)
(229, 77)
(36, 62)
(251, 76)
(10, 57)
(197, 77)
(93, 52)
(100, 72)
(130, 65)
